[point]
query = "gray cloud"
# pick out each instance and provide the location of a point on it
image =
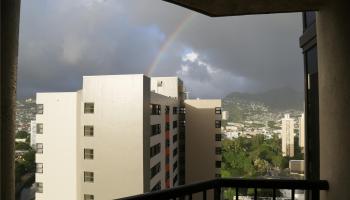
(62, 40)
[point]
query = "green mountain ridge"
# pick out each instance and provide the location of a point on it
(243, 106)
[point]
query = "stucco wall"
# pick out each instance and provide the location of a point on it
(59, 145)
(333, 33)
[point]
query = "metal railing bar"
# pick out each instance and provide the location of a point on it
(231, 183)
(190, 197)
(255, 194)
(274, 194)
(204, 195)
(237, 193)
(217, 193)
(293, 194)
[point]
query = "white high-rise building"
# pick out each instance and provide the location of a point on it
(118, 136)
(302, 132)
(32, 133)
(287, 136)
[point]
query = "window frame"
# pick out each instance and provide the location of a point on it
(174, 124)
(217, 123)
(87, 109)
(155, 170)
(39, 150)
(39, 128)
(39, 168)
(175, 138)
(174, 110)
(89, 197)
(175, 165)
(175, 152)
(40, 109)
(218, 164)
(155, 129)
(155, 150)
(89, 177)
(157, 187)
(218, 150)
(39, 187)
(218, 137)
(89, 130)
(88, 155)
(218, 110)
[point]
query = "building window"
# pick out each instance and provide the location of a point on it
(217, 123)
(39, 148)
(217, 137)
(155, 150)
(174, 110)
(167, 143)
(88, 154)
(155, 170)
(182, 110)
(156, 129)
(88, 176)
(39, 168)
(39, 187)
(167, 109)
(156, 187)
(182, 123)
(167, 160)
(218, 150)
(174, 152)
(167, 126)
(89, 108)
(40, 109)
(39, 128)
(174, 138)
(175, 179)
(155, 109)
(217, 110)
(174, 166)
(88, 197)
(174, 124)
(218, 164)
(167, 175)
(88, 131)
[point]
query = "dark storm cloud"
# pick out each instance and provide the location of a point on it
(62, 40)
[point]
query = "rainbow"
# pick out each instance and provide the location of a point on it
(168, 42)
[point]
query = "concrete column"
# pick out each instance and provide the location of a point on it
(9, 51)
(333, 40)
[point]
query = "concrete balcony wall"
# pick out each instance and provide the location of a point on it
(333, 40)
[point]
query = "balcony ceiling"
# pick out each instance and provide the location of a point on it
(219, 8)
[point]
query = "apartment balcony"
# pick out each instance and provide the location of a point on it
(312, 189)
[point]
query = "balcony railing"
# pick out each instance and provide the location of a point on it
(222, 183)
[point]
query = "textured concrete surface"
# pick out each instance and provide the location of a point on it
(333, 40)
(9, 53)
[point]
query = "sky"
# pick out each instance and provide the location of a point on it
(63, 40)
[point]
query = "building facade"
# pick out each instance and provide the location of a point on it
(32, 133)
(302, 132)
(118, 136)
(287, 136)
(203, 141)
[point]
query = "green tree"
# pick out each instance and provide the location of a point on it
(22, 146)
(22, 135)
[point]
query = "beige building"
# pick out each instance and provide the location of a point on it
(287, 135)
(203, 141)
(116, 137)
(297, 167)
(302, 132)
